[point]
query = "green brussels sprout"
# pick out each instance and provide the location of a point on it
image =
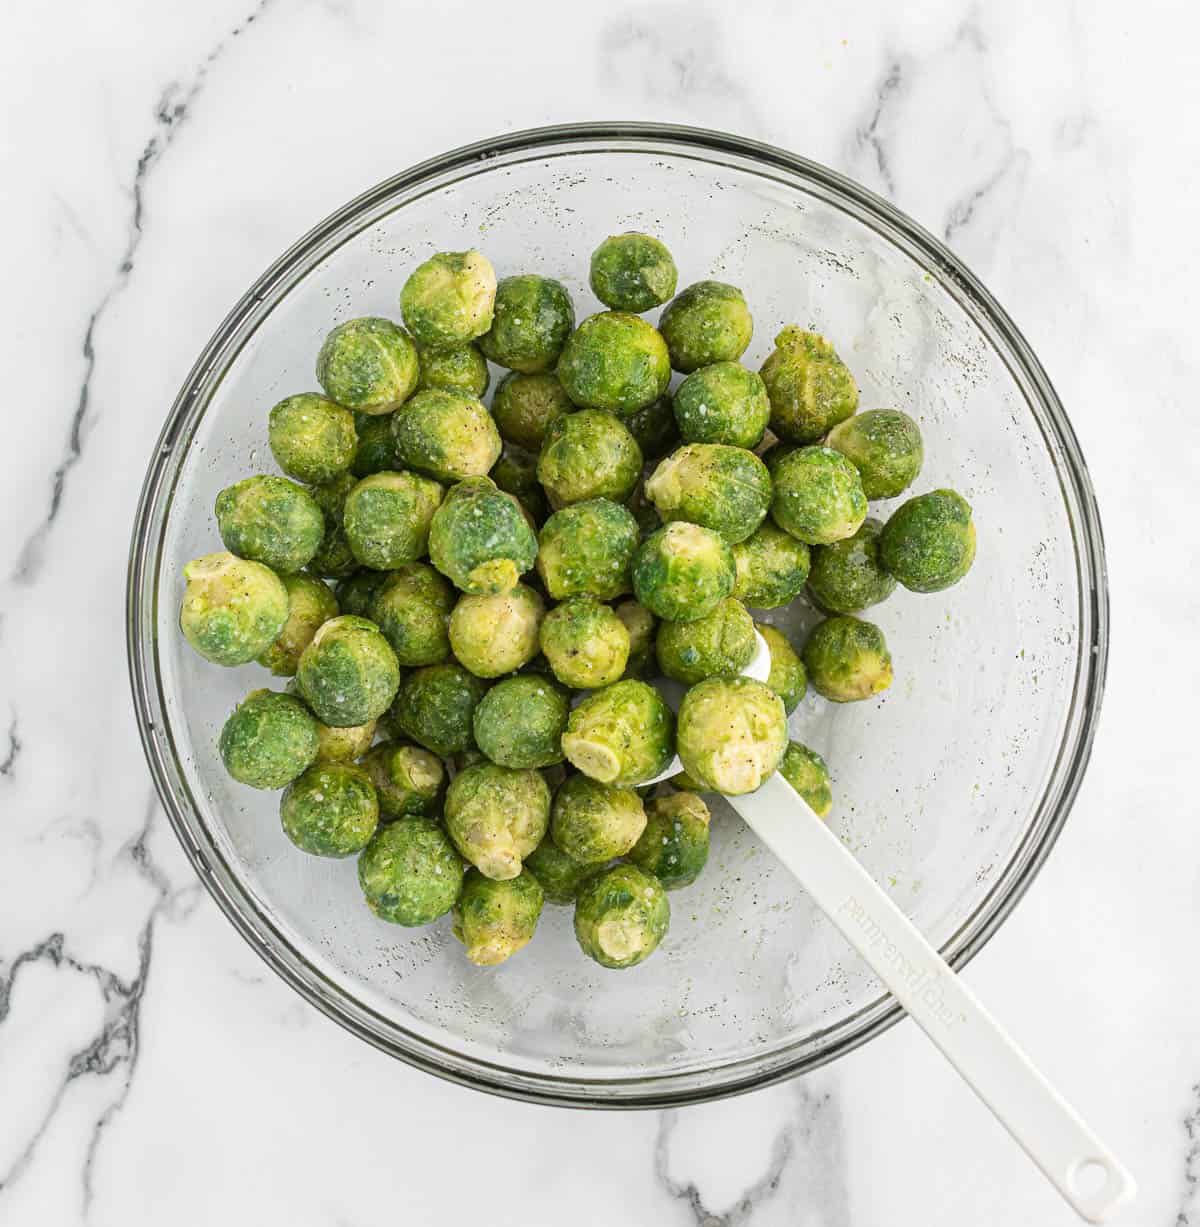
(806, 772)
(771, 567)
(621, 915)
(311, 438)
(497, 632)
(818, 496)
(516, 473)
(348, 674)
(334, 559)
(310, 604)
(847, 659)
(232, 609)
(496, 816)
(435, 707)
(787, 676)
(622, 735)
(270, 520)
(674, 845)
(586, 643)
(447, 435)
(525, 405)
(847, 575)
(496, 919)
(407, 778)
(683, 572)
(885, 446)
(520, 722)
(727, 489)
(344, 745)
(721, 643)
(480, 539)
(560, 875)
(810, 388)
(929, 542)
(588, 455)
(356, 592)
(532, 319)
(640, 624)
(368, 364)
(732, 734)
(706, 323)
(586, 550)
(388, 518)
(330, 810)
(411, 607)
(460, 368)
(633, 272)
(410, 873)
(448, 300)
(722, 403)
(654, 428)
(269, 740)
(376, 447)
(616, 362)
(595, 822)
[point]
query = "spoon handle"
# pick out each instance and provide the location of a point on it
(1079, 1165)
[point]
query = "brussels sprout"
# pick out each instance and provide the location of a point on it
(595, 822)
(344, 745)
(496, 919)
(722, 403)
(311, 438)
(448, 300)
(270, 520)
(497, 633)
(708, 322)
(818, 496)
(771, 567)
(732, 734)
(621, 915)
(640, 624)
(885, 446)
(623, 734)
(331, 810)
(232, 609)
(348, 674)
(654, 428)
(310, 603)
(720, 643)
(787, 677)
(461, 368)
(674, 845)
(376, 447)
(847, 575)
(388, 517)
(334, 559)
(447, 435)
(805, 771)
(632, 272)
(616, 362)
(410, 608)
(929, 543)
(809, 386)
(560, 875)
(588, 455)
(586, 643)
(480, 539)
(497, 816)
(269, 740)
(516, 473)
(586, 550)
(435, 706)
(410, 873)
(847, 659)
(525, 405)
(727, 489)
(683, 572)
(520, 721)
(356, 592)
(407, 778)
(368, 364)
(532, 319)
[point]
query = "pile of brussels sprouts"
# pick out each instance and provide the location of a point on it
(507, 587)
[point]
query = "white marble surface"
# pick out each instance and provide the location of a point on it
(155, 158)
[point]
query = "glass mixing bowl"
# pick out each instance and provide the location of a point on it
(951, 787)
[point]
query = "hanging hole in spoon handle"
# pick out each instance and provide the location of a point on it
(1042, 1122)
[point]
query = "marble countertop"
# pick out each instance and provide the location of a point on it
(156, 158)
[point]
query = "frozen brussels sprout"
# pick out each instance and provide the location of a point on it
(847, 659)
(884, 445)
(496, 816)
(334, 559)
(588, 455)
(496, 919)
(654, 428)
(727, 489)
(929, 542)
(311, 438)
(356, 592)
(480, 539)
(805, 771)
(447, 435)
(269, 740)
(270, 520)
(683, 572)
(448, 300)
(595, 822)
(633, 272)
(532, 319)
(460, 368)
(586, 550)
(809, 386)
(410, 873)
(497, 633)
(525, 405)
(674, 845)
(771, 567)
(622, 735)
(560, 875)
(411, 607)
(376, 447)
(520, 722)
(706, 323)
(407, 778)
(516, 473)
(388, 517)
(331, 810)
(348, 674)
(732, 734)
(616, 362)
(847, 575)
(310, 604)
(368, 364)
(787, 676)
(722, 403)
(721, 643)
(621, 915)
(232, 609)
(586, 643)
(435, 707)
(344, 745)
(641, 625)
(818, 496)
